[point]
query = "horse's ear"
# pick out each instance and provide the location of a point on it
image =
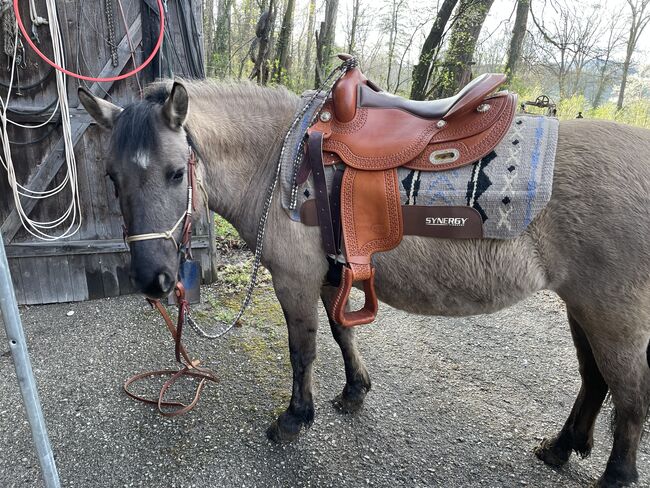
(102, 111)
(176, 106)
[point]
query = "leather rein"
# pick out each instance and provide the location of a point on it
(188, 367)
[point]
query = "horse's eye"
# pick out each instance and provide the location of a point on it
(177, 175)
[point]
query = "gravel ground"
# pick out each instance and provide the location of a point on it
(456, 402)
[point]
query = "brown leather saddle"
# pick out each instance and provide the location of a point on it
(370, 133)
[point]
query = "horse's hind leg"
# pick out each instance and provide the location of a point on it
(357, 381)
(623, 360)
(577, 433)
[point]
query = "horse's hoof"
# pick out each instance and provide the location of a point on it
(548, 452)
(603, 483)
(279, 436)
(617, 478)
(347, 405)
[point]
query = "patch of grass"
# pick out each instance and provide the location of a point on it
(226, 235)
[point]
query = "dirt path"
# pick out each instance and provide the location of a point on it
(455, 402)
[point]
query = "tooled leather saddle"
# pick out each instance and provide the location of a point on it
(369, 134)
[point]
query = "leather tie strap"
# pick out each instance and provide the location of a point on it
(315, 157)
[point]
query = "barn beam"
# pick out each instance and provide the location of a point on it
(45, 172)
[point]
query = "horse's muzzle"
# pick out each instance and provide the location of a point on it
(158, 286)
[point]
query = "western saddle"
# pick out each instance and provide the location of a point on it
(370, 134)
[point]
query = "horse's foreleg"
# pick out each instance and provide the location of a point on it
(300, 312)
(577, 433)
(357, 381)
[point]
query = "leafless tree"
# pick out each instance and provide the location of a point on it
(570, 39)
(517, 39)
(639, 19)
(608, 66)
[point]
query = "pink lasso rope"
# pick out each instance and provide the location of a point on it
(91, 78)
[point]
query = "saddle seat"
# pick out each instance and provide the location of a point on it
(470, 97)
(370, 134)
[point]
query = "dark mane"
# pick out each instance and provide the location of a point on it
(135, 128)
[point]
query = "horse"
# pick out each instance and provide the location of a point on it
(589, 245)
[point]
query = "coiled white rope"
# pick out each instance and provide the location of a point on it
(72, 213)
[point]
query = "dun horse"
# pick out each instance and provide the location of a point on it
(591, 245)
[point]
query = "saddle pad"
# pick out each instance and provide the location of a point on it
(508, 187)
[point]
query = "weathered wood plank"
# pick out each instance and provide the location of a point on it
(47, 170)
(78, 282)
(29, 269)
(59, 285)
(66, 248)
(17, 280)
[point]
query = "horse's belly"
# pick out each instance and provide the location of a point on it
(455, 278)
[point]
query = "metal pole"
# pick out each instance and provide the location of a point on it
(18, 347)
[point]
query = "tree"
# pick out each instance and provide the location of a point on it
(615, 39)
(306, 67)
(517, 39)
(638, 22)
(393, 31)
(570, 41)
(263, 32)
(456, 71)
(354, 22)
(325, 41)
(281, 65)
(208, 38)
(221, 50)
(430, 50)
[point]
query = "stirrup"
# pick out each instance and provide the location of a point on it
(362, 316)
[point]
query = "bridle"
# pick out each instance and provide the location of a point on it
(189, 367)
(186, 219)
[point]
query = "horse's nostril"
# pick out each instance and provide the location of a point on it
(166, 282)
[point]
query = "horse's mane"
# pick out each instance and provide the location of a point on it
(230, 106)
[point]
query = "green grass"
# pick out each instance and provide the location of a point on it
(226, 234)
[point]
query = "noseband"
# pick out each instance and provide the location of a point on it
(185, 219)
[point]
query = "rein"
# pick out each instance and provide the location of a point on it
(189, 367)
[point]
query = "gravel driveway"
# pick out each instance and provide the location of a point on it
(456, 402)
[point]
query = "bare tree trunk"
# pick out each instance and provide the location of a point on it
(640, 20)
(517, 39)
(263, 32)
(306, 67)
(208, 29)
(430, 50)
(457, 70)
(221, 51)
(281, 64)
(325, 41)
(392, 38)
(356, 4)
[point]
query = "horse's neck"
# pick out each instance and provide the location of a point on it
(239, 153)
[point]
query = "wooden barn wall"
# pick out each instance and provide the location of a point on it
(93, 263)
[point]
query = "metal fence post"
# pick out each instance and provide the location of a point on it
(26, 381)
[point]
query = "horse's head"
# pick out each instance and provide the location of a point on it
(148, 164)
